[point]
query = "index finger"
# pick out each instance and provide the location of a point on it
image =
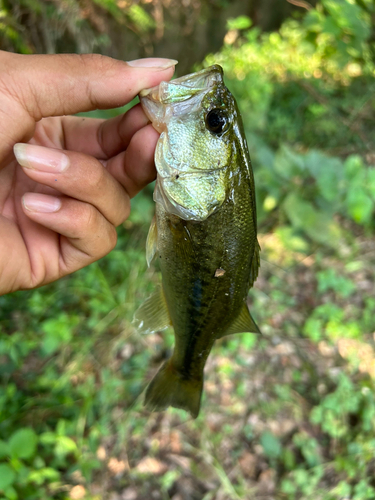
(37, 86)
(63, 84)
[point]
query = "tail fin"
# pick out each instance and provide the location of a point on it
(169, 388)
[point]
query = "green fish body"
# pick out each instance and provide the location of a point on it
(204, 232)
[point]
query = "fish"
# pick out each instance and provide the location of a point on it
(204, 233)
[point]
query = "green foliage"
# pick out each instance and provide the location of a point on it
(140, 18)
(271, 445)
(355, 446)
(330, 280)
(63, 337)
(339, 30)
(294, 89)
(239, 23)
(58, 332)
(22, 444)
(7, 477)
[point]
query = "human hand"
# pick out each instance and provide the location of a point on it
(61, 201)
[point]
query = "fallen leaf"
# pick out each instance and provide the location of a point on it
(77, 492)
(183, 462)
(101, 453)
(151, 465)
(248, 463)
(117, 467)
(129, 494)
(175, 445)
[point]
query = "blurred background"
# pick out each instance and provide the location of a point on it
(286, 415)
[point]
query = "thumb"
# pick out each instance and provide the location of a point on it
(37, 86)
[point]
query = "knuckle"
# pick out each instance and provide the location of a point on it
(120, 209)
(125, 212)
(10, 88)
(97, 177)
(16, 84)
(112, 238)
(96, 60)
(86, 220)
(100, 137)
(101, 64)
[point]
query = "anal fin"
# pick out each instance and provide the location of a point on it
(152, 316)
(243, 323)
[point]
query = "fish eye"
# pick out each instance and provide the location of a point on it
(216, 120)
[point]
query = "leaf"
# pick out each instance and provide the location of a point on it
(360, 205)
(239, 23)
(248, 340)
(271, 444)
(58, 332)
(48, 438)
(288, 163)
(370, 182)
(291, 240)
(42, 475)
(22, 443)
(11, 493)
(315, 223)
(7, 476)
(353, 166)
(313, 328)
(142, 20)
(328, 174)
(4, 449)
(149, 465)
(64, 445)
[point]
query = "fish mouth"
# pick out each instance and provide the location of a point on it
(170, 97)
(185, 87)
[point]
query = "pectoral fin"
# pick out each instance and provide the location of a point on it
(152, 240)
(152, 316)
(243, 323)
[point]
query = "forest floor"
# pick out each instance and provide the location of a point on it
(265, 398)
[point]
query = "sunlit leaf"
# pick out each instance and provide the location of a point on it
(4, 449)
(22, 444)
(239, 23)
(7, 476)
(360, 205)
(304, 216)
(44, 474)
(64, 445)
(271, 444)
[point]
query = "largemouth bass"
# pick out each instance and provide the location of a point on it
(204, 233)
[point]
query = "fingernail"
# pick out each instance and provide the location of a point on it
(153, 62)
(40, 158)
(43, 203)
